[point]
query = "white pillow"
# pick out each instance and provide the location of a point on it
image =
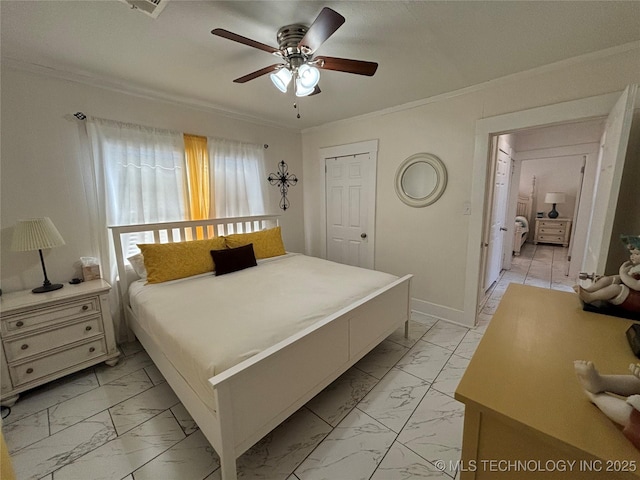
(137, 262)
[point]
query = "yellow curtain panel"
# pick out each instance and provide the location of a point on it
(197, 160)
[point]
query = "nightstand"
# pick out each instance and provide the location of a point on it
(49, 335)
(553, 230)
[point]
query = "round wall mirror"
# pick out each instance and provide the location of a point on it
(421, 180)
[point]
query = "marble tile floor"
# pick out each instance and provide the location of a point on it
(390, 417)
(537, 265)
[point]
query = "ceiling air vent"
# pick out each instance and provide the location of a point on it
(150, 7)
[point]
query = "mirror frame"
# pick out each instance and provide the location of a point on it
(441, 180)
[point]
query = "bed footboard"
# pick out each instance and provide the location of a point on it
(258, 394)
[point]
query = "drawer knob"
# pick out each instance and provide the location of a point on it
(24, 347)
(29, 370)
(87, 328)
(85, 307)
(92, 349)
(19, 323)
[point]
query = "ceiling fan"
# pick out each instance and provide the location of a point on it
(297, 45)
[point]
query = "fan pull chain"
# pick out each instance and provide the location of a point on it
(295, 106)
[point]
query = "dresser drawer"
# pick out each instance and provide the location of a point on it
(554, 230)
(26, 346)
(549, 224)
(61, 312)
(550, 238)
(32, 370)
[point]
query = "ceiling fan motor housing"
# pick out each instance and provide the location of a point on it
(288, 38)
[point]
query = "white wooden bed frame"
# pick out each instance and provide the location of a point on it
(523, 209)
(256, 395)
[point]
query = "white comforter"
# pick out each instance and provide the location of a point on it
(206, 324)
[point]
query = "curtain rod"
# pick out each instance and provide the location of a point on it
(82, 116)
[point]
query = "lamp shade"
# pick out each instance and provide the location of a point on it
(302, 91)
(35, 234)
(309, 76)
(281, 79)
(554, 197)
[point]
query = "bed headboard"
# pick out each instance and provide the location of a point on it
(179, 232)
(523, 208)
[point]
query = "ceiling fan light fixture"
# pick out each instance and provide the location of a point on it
(301, 90)
(308, 75)
(281, 79)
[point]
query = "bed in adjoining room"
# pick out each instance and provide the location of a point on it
(245, 350)
(521, 227)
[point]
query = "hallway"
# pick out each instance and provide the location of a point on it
(538, 265)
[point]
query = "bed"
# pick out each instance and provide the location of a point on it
(237, 401)
(521, 227)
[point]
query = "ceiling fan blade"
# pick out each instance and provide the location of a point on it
(325, 24)
(347, 65)
(316, 91)
(258, 73)
(220, 32)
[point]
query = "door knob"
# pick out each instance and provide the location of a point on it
(587, 276)
(363, 235)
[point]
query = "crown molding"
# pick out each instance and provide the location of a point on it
(551, 67)
(128, 88)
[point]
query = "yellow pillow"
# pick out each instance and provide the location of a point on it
(266, 243)
(170, 261)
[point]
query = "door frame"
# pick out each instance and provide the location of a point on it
(486, 128)
(368, 146)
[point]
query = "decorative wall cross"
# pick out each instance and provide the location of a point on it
(284, 180)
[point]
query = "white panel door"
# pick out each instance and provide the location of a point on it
(350, 181)
(498, 216)
(608, 177)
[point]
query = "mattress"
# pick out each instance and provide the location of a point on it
(206, 324)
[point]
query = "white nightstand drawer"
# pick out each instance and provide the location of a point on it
(29, 371)
(26, 346)
(555, 230)
(550, 238)
(552, 223)
(62, 312)
(50, 335)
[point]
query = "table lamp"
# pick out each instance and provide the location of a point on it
(36, 234)
(554, 198)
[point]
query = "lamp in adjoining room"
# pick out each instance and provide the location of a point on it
(37, 234)
(554, 198)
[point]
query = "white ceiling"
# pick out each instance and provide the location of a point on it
(424, 48)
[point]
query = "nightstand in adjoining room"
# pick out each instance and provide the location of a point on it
(552, 230)
(49, 335)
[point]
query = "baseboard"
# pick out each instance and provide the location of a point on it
(448, 314)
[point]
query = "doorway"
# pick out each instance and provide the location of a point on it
(610, 105)
(545, 159)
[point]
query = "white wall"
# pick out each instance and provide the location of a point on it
(553, 174)
(431, 242)
(41, 159)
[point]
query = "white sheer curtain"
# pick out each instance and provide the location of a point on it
(138, 177)
(239, 178)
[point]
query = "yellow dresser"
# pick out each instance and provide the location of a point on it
(526, 415)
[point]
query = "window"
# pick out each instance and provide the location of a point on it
(151, 175)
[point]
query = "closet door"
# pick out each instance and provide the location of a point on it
(350, 200)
